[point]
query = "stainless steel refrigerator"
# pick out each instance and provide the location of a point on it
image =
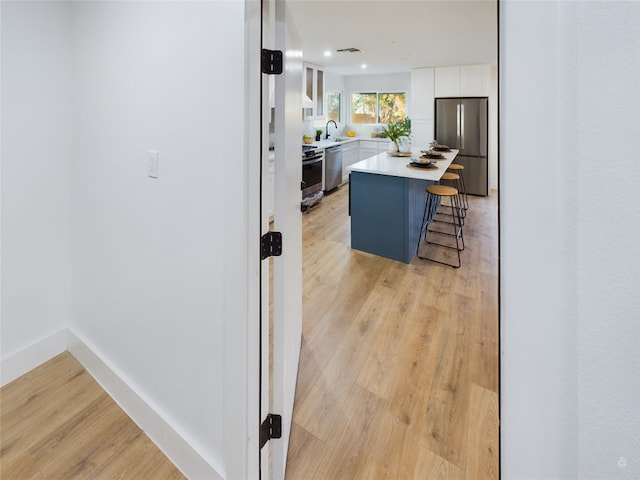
(462, 123)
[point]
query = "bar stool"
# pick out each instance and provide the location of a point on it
(453, 180)
(457, 168)
(435, 193)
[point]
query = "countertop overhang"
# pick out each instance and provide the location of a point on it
(385, 164)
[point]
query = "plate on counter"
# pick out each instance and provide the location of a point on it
(423, 164)
(432, 155)
(441, 148)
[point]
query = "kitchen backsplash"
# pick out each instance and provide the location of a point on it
(309, 127)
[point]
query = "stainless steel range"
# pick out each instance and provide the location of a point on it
(312, 171)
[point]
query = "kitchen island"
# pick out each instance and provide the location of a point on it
(386, 203)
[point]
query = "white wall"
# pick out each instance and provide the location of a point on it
(570, 230)
(150, 277)
(392, 82)
(334, 83)
(149, 254)
(36, 159)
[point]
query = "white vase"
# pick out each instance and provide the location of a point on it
(393, 148)
(404, 144)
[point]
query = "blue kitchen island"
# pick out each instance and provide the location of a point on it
(386, 200)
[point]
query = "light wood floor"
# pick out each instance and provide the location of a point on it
(398, 376)
(57, 423)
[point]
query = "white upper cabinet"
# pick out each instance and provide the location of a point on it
(422, 93)
(312, 92)
(475, 80)
(462, 81)
(447, 82)
(421, 132)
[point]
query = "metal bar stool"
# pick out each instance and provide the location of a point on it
(452, 180)
(435, 193)
(457, 168)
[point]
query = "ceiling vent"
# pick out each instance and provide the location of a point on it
(350, 50)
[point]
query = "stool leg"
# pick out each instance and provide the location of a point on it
(459, 209)
(462, 195)
(464, 192)
(426, 218)
(432, 201)
(462, 212)
(457, 222)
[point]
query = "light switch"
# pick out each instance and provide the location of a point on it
(152, 164)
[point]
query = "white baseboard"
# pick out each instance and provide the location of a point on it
(26, 360)
(172, 444)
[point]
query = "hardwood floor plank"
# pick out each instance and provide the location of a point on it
(21, 466)
(58, 423)
(44, 412)
(414, 394)
(482, 436)
(317, 411)
(432, 467)
(304, 446)
(343, 453)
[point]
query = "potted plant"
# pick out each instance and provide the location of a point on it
(318, 135)
(398, 133)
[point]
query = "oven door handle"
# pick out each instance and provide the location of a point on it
(312, 161)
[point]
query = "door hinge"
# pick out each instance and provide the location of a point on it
(271, 245)
(270, 428)
(272, 61)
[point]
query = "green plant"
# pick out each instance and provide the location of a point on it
(394, 130)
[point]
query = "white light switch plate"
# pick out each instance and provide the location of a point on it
(152, 164)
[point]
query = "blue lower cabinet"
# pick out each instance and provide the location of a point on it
(386, 214)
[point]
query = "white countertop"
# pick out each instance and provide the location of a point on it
(384, 164)
(342, 140)
(332, 143)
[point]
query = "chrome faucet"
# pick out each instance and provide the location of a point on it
(326, 128)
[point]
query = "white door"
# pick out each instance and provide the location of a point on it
(283, 348)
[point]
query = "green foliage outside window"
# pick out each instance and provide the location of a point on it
(363, 108)
(333, 106)
(378, 107)
(392, 106)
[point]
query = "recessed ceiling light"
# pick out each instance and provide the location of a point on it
(327, 53)
(363, 66)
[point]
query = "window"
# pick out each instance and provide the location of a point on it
(334, 105)
(378, 107)
(392, 107)
(363, 108)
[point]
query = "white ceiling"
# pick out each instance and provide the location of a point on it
(396, 35)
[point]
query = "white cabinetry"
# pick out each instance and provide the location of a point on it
(422, 93)
(447, 82)
(475, 81)
(312, 92)
(422, 132)
(349, 157)
(422, 114)
(369, 148)
(462, 81)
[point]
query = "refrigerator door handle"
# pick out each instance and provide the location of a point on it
(461, 128)
(458, 124)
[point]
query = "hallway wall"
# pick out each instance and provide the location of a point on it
(145, 279)
(36, 161)
(570, 230)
